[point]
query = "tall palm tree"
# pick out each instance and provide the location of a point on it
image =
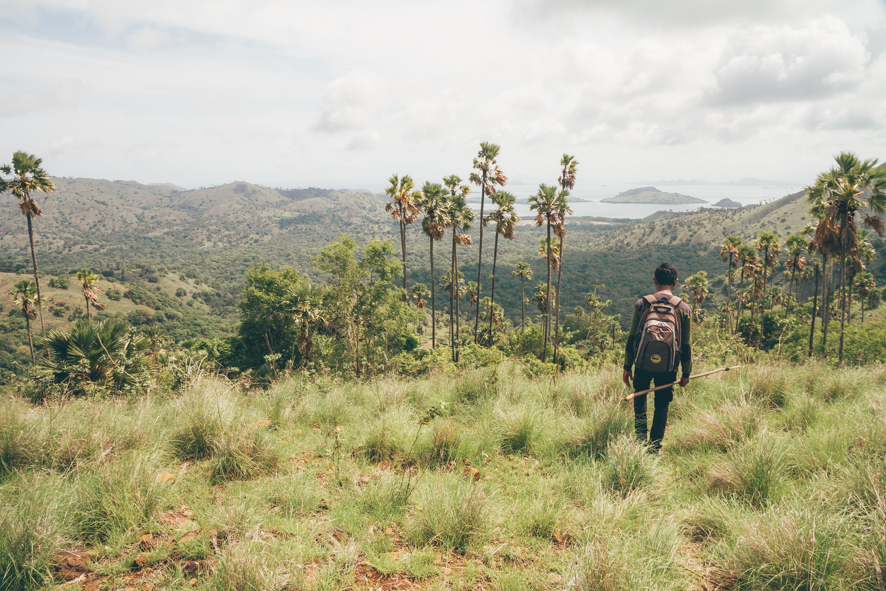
(729, 253)
(460, 218)
(435, 202)
(28, 177)
(848, 187)
(87, 279)
(505, 220)
(25, 296)
(698, 284)
(488, 175)
(545, 203)
(402, 208)
(524, 272)
(769, 245)
(563, 210)
(795, 245)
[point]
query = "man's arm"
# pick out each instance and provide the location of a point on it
(685, 347)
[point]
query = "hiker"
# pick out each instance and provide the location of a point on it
(657, 342)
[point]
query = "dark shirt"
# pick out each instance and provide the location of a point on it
(684, 312)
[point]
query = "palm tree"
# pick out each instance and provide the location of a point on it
(402, 208)
(28, 177)
(769, 245)
(505, 219)
(435, 202)
(545, 203)
(88, 279)
(745, 252)
(488, 175)
(419, 291)
(460, 218)
(864, 283)
(851, 185)
(698, 284)
(729, 253)
(563, 210)
(25, 296)
(794, 246)
(108, 353)
(524, 272)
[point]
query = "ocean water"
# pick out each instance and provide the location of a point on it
(592, 195)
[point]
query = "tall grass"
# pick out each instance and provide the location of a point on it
(452, 514)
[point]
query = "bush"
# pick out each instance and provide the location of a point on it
(453, 514)
(629, 467)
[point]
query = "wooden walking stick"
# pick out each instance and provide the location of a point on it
(701, 375)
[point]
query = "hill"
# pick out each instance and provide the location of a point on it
(729, 203)
(651, 195)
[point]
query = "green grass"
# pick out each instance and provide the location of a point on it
(768, 480)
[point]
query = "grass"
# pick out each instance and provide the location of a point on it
(768, 480)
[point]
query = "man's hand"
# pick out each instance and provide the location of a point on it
(683, 382)
(627, 378)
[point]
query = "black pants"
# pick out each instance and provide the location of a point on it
(663, 398)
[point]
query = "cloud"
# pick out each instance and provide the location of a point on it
(147, 37)
(763, 64)
(37, 98)
(61, 145)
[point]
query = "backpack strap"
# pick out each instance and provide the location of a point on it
(650, 299)
(675, 301)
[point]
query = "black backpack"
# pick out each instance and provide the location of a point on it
(657, 342)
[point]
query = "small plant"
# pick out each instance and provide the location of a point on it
(452, 515)
(590, 437)
(240, 453)
(518, 430)
(598, 569)
(629, 467)
(753, 473)
(116, 498)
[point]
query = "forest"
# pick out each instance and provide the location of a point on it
(252, 388)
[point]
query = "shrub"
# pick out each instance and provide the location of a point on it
(20, 444)
(629, 467)
(769, 384)
(29, 536)
(240, 453)
(453, 514)
(116, 498)
(591, 436)
(753, 473)
(723, 428)
(518, 429)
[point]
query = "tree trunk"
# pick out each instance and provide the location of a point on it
(403, 250)
(849, 303)
(862, 309)
(842, 293)
(433, 309)
(738, 308)
(729, 295)
(453, 273)
(814, 306)
(31, 341)
(522, 306)
(557, 322)
(826, 306)
(492, 298)
(36, 275)
(544, 354)
(457, 310)
(88, 316)
(787, 307)
(480, 257)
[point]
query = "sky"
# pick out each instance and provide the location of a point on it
(342, 94)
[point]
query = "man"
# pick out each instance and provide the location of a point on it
(657, 318)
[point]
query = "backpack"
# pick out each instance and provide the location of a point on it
(657, 342)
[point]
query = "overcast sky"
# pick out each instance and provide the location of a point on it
(342, 94)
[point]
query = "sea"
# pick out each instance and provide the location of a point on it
(591, 195)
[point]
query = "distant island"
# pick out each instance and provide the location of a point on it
(651, 195)
(745, 182)
(727, 203)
